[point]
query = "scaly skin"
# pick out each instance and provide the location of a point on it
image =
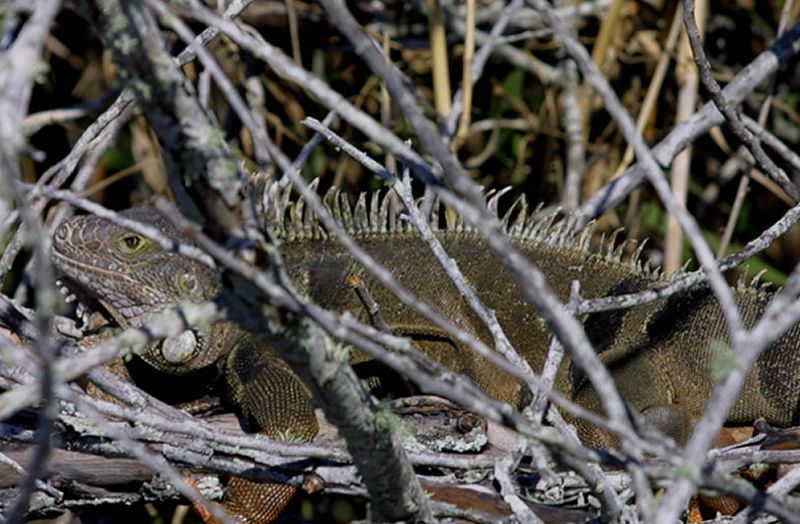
(660, 354)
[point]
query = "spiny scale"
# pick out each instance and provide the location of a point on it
(291, 219)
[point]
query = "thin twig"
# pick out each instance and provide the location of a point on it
(701, 122)
(157, 462)
(772, 141)
(165, 324)
(573, 127)
(17, 72)
(732, 118)
(502, 473)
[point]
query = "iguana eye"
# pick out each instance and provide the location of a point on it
(187, 283)
(131, 243)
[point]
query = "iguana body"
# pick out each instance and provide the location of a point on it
(660, 354)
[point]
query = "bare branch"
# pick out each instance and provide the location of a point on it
(684, 133)
(732, 118)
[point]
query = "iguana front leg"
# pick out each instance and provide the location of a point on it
(271, 400)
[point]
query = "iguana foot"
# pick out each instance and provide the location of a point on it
(249, 502)
(671, 420)
(256, 502)
(704, 507)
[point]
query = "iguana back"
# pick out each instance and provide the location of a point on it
(664, 353)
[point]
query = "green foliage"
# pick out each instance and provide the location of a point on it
(118, 157)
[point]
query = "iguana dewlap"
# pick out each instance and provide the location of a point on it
(661, 355)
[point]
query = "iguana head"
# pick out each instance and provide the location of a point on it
(133, 277)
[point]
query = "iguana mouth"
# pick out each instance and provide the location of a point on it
(94, 315)
(89, 311)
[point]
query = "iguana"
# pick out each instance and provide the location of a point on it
(660, 354)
